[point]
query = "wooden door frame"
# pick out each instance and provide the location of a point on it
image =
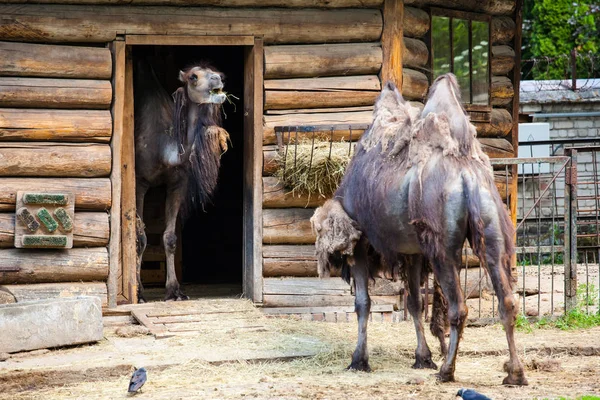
(122, 283)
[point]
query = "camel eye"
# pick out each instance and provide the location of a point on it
(194, 77)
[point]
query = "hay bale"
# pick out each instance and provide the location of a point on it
(130, 331)
(314, 168)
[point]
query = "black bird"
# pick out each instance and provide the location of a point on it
(470, 394)
(137, 380)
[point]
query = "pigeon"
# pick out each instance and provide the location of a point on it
(137, 380)
(470, 394)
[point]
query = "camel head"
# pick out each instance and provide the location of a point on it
(337, 235)
(204, 85)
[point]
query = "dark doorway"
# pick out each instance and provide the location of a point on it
(210, 245)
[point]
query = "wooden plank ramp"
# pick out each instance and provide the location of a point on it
(166, 319)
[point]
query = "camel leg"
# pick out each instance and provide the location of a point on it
(447, 276)
(172, 205)
(507, 306)
(439, 318)
(141, 189)
(415, 307)
(362, 307)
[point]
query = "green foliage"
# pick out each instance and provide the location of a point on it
(552, 28)
(576, 318)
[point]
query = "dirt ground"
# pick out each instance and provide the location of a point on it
(560, 363)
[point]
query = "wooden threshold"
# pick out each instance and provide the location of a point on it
(173, 40)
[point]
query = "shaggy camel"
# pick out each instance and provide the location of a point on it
(178, 144)
(418, 187)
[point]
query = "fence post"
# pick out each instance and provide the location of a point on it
(574, 69)
(570, 256)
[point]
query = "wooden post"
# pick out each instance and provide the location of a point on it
(516, 80)
(114, 245)
(392, 43)
(253, 191)
(128, 208)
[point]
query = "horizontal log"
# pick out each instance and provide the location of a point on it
(43, 291)
(287, 226)
(503, 30)
(56, 125)
(72, 265)
(500, 124)
(275, 195)
(271, 121)
(322, 60)
(54, 159)
(284, 100)
(414, 84)
(90, 229)
(503, 60)
(306, 286)
(415, 22)
(101, 24)
(494, 7)
(321, 110)
(55, 93)
(324, 300)
(414, 53)
(227, 3)
(358, 82)
(497, 148)
(502, 91)
(51, 61)
(90, 194)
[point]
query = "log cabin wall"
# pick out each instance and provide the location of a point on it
(55, 129)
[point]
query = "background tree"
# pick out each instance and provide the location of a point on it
(552, 28)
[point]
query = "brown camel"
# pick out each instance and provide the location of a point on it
(420, 186)
(178, 143)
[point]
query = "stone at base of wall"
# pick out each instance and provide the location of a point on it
(50, 323)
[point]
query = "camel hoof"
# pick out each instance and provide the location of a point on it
(177, 296)
(516, 380)
(359, 366)
(444, 377)
(424, 363)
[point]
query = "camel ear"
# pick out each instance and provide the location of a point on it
(182, 77)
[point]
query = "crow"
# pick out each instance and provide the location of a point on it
(470, 394)
(137, 379)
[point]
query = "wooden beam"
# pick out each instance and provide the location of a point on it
(503, 91)
(494, 7)
(118, 106)
(516, 79)
(85, 23)
(286, 100)
(503, 30)
(503, 60)
(55, 159)
(55, 93)
(127, 166)
(90, 229)
(414, 84)
(25, 124)
(415, 22)
(307, 61)
(414, 53)
(52, 61)
(271, 121)
(90, 194)
(43, 291)
(163, 40)
(287, 226)
(500, 124)
(50, 266)
(253, 133)
(226, 3)
(277, 196)
(391, 42)
(357, 82)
